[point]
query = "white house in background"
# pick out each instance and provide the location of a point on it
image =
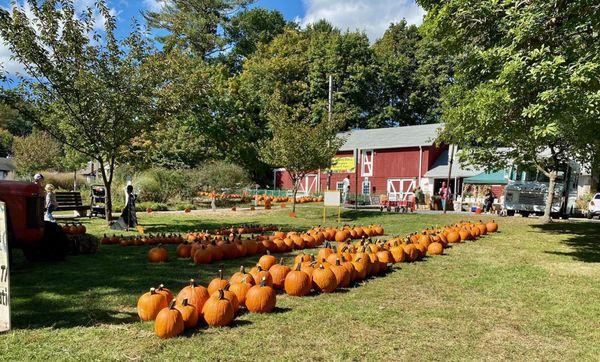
(7, 168)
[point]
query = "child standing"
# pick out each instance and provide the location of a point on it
(51, 203)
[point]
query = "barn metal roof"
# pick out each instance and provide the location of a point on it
(7, 164)
(439, 169)
(391, 137)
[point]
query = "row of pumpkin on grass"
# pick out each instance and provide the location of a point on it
(207, 248)
(334, 268)
(217, 234)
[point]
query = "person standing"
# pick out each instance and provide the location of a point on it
(51, 203)
(38, 178)
(419, 197)
(346, 188)
(489, 200)
(128, 218)
(444, 194)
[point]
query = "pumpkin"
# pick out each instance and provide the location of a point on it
(261, 298)
(166, 292)
(184, 250)
(435, 248)
(240, 290)
(150, 304)
(464, 235)
(189, 314)
(453, 237)
(217, 283)
(297, 282)
(340, 236)
(158, 254)
(278, 273)
(232, 297)
(360, 266)
(169, 322)
(202, 255)
(412, 254)
(218, 311)
(324, 280)
(196, 295)
(267, 261)
(342, 274)
(398, 253)
(324, 253)
(258, 274)
(242, 276)
(482, 228)
(491, 226)
(216, 252)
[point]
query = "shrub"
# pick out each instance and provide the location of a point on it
(181, 207)
(64, 181)
(222, 175)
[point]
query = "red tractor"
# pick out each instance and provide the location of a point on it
(27, 229)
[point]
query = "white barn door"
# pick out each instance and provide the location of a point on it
(399, 188)
(308, 186)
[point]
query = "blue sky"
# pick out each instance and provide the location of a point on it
(370, 16)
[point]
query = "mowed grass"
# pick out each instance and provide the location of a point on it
(527, 292)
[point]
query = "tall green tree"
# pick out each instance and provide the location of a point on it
(249, 29)
(194, 26)
(36, 152)
(315, 54)
(411, 71)
(92, 91)
(526, 79)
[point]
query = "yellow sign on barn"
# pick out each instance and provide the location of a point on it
(343, 164)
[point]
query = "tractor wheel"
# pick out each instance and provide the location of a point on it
(52, 247)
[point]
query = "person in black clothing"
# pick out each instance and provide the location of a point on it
(489, 200)
(128, 218)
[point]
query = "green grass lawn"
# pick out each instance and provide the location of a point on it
(527, 292)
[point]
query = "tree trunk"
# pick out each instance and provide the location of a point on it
(107, 180)
(75, 180)
(294, 198)
(547, 218)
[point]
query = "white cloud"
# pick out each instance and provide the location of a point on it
(11, 66)
(154, 5)
(371, 16)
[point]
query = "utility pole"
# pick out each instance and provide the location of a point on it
(330, 102)
(450, 161)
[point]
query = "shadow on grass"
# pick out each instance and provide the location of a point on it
(583, 237)
(103, 288)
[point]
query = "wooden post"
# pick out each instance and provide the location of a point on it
(450, 161)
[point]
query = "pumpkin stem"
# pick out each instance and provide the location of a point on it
(263, 281)
(337, 261)
(242, 270)
(227, 286)
(268, 252)
(220, 274)
(192, 283)
(161, 287)
(298, 266)
(185, 302)
(281, 261)
(221, 294)
(152, 290)
(172, 305)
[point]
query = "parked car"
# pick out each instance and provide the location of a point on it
(594, 206)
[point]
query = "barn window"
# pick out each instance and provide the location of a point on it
(366, 187)
(367, 162)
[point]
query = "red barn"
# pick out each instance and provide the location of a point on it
(390, 160)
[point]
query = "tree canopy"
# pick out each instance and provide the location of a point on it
(526, 81)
